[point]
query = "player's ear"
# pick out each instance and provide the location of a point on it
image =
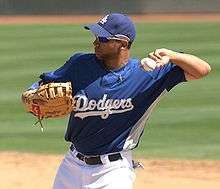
(124, 45)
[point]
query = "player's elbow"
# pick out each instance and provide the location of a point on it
(202, 70)
(198, 73)
(206, 69)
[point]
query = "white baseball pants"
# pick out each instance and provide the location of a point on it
(76, 174)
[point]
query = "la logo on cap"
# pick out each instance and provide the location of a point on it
(104, 19)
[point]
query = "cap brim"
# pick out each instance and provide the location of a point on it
(97, 30)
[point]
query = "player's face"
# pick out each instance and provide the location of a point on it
(107, 48)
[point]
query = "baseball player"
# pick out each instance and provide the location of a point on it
(113, 99)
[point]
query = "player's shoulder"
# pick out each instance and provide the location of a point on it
(134, 63)
(138, 70)
(81, 57)
(136, 66)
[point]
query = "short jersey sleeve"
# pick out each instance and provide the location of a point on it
(170, 74)
(62, 74)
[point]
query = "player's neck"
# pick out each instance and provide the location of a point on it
(117, 62)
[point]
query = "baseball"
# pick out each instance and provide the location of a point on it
(148, 64)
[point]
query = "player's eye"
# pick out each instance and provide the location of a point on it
(102, 39)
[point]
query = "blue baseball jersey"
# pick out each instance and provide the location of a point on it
(111, 107)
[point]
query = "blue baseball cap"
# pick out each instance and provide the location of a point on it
(114, 25)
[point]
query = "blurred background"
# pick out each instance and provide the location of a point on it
(185, 125)
(25, 7)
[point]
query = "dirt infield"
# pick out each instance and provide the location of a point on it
(68, 19)
(32, 171)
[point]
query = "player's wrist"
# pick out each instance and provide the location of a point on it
(174, 56)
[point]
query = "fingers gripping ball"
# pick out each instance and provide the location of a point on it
(49, 101)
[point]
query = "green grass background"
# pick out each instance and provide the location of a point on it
(186, 124)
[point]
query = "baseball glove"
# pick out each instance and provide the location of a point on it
(51, 100)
